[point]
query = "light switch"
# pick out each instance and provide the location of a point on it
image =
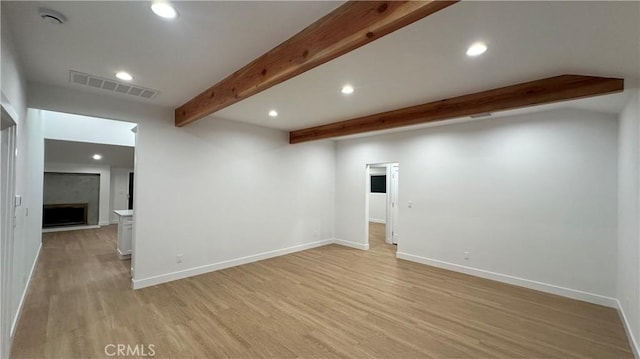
(18, 200)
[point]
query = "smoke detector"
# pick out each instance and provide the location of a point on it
(52, 16)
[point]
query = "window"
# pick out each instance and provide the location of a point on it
(379, 184)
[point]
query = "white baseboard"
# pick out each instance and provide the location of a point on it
(625, 323)
(113, 221)
(16, 319)
(374, 220)
(356, 245)
(104, 223)
(65, 229)
(531, 284)
(123, 256)
(163, 278)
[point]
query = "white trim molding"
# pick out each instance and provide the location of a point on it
(163, 278)
(627, 328)
(68, 228)
(8, 107)
(123, 256)
(356, 245)
(16, 319)
(531, 284)
(376, 220)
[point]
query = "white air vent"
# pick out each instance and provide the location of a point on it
(111, 85)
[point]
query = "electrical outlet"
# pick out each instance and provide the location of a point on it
(466, 255)
(179, 258)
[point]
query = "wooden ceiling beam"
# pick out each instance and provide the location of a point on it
(548, 90)
(350, 26)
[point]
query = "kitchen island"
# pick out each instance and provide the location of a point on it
(125, 232)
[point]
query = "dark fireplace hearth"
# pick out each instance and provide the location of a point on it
(64, 214)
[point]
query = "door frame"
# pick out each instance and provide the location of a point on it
(389, 227)
(393, 170)
(8, 145)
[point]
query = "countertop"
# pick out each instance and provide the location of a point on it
(124, 212)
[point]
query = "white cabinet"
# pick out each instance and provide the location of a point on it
(125, 233)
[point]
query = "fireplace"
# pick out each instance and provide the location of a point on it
(64, 214)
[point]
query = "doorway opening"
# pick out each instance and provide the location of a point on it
(89, 164)
(382, 206)
(130, 194)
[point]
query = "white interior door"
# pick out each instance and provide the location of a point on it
(393, 184)
(7, 224)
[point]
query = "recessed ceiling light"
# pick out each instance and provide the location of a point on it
(124, 76)
(347, 89)
(273, 113)
(97, 157)
(477, 48)
(164, 10)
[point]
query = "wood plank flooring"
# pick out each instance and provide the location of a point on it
(328, 302)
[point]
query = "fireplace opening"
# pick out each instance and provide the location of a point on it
(64, 214)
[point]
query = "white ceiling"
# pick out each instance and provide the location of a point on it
(419, 63)
(426, 61)
(180, 58)
(82, 152)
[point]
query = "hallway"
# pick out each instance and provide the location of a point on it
(376, 240)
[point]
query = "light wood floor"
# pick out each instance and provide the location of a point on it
(376, 239)
(327, 302)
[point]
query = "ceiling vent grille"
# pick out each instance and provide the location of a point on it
(110, 85)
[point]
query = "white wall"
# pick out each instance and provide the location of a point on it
(533, 198)
(30, 157)
(28, 235)
(628, 275)
(378, 207)
(13, 81)
(378, 201)
(220, 193)
(229, 191)
(69, 127)
(118, 198)
(105, 182)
